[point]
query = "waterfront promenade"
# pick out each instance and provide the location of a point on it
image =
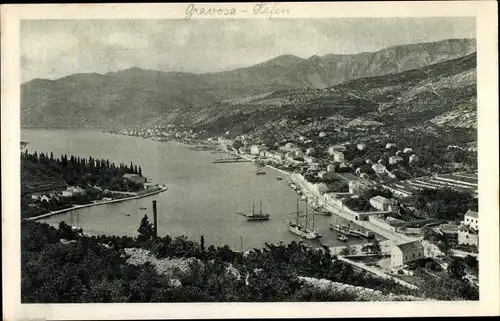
(95, 203)
(393, 237)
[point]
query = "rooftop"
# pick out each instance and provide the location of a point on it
(414, 245)
(381, 199)
(471, 213)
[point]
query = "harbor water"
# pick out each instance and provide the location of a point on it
(202, 198)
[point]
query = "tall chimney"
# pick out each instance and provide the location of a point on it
(155, 219)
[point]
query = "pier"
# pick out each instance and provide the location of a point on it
(231, 160)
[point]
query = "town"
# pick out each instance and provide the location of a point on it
(426, 212)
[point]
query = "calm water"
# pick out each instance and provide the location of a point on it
(203, 198)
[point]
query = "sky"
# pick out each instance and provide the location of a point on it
(56, 48)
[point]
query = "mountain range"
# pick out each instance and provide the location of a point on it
(401, 76)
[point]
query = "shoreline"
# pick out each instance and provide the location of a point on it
(76, 207)
(391, 236)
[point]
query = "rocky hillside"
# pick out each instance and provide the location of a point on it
(441, 94)
(145, 97)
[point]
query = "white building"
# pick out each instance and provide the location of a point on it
(471, 219)
(310, 151)
(395, 159)
(361, 146)
(322, 174)
(290, 147)
(276, 156)
(336, 148)
(407, 252)
(389, 145)
(338, 156)
(407, 150)
(74, 190)
(290, 156)
(468, 232)
(322, 134)
(42, 197)
(314, 166)
(299, 153)
(320, 189)
(413, 158)
(468, 236)
(310, 159)
(379, 168)
(254, 150)
(331, 168)
(381, 203)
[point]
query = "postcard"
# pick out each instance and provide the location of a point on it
(213, 160)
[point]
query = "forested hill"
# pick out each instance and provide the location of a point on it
(64, 266)
(145, 97)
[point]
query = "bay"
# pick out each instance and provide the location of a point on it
(202, 198)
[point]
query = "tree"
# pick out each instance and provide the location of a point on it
(202, 244)
(140, 171)
(376, 249)
(456, 268)
(472, 263)
(348, 250)
(237, 144)
(146, 231)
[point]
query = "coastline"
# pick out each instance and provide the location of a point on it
(391, 236)
(76, 207)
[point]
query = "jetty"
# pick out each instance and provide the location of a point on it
(231, 160)
(96, 203)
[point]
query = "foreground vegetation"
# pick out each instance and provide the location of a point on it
(95, 269)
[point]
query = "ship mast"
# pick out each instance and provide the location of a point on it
(261, 206)
(314, 212)
(307, 221)
(297, 210)
(253, 207)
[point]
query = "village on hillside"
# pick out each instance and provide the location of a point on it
(422, 201)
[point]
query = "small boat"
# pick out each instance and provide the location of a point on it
(261, 216)
(342, 238)
(143, 208)
(260, 172)
(279, 178)
(127, 214)
(363, 234)
(321, 210)
(338, 228)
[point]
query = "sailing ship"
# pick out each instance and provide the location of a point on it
(303, 231)
(260, 172)
(261, 216)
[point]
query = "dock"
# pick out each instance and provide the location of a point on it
(231, 160)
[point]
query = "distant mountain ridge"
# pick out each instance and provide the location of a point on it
(137, 96)
(441, 94)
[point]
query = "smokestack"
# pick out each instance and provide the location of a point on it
(155, 219)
